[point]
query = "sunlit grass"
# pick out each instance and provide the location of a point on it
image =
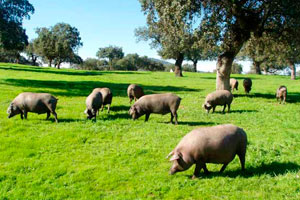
(118, 158)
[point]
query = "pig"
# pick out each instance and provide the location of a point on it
(106, 98)
(33, 102)
(216, 144)
(134, 92)
(234, 84)
(156, 103)
(281, 94)
(247, 85)
(219, 97)
(93, 104)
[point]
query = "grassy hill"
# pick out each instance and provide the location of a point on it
(118, 158)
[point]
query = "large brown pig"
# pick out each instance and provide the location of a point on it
(156, 103)
(247, 83)
(281, 94)
(134, 92)
(33, 102)
(217, 144)
(93, 104)
(234, 84)
(106, 97)
(219, 97)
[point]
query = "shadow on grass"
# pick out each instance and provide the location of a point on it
(64, 72)
(272, 169)
(242, 111)
(292, 97)
(196, 123)
(84, 88)
(238, 78)
(118, 108)
(115, 116)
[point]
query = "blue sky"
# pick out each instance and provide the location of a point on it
(100, 23)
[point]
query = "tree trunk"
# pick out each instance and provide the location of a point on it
(178, 65)
(257, 67)
(293, 70)
(50, 63)
(195, 65)
(58, 65)
(224, 65)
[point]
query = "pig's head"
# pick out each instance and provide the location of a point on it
(207, 106)
(135, 111)
(12, 110)
(178, 163)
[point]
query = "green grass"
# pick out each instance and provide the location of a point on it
(118, 158)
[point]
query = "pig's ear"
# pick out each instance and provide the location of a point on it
(176, 156)
(138, 109)
(170, 154)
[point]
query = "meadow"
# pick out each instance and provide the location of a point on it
(118, 158)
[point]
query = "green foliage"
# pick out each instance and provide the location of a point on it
(12, 13)
(58, 44)
(236, 68)
(112, 53)
(92, 64)
(118, 158)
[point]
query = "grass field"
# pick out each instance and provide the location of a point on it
(118, 158)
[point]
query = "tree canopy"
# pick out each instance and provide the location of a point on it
(112, 53)
(58, 44)
(12, 13)
(230, 21)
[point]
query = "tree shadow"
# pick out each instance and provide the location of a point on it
(292, 97)
(196, 123)
(64, 72)
(242, 111)
(119, 108)
(84, 88)
(272, 169)
(111, 116)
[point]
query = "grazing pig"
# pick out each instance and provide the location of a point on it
(216, 144)
(93, 104)
(281, 93)
(156, 103)
(247, 85)
(234, 84)
(219, 97)
(106, 97)
(134, 92)
(33, 102)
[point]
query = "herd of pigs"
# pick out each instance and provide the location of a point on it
(216, 144)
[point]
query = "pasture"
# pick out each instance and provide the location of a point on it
(118, 158)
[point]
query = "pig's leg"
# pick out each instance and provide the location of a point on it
(214, 108)
(223, 167)
(224, 109)
(175, 116)
(205, 169)
(172, 116)
(242, 160)
(48, 115)
(55, 116)
(228, 108)
(130, 100)
(21, 114)
(135, 99)
(147, 117)
(102, 107)
(25, 114)
(197, 170)
(108, 108)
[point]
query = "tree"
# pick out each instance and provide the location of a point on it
(168, 30)
(232, 20)
(12, 12)
(45, 44)
(112, 53)
(31, 53)
(58, 44)
(236, 68)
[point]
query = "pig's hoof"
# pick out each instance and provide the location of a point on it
(194, 177)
